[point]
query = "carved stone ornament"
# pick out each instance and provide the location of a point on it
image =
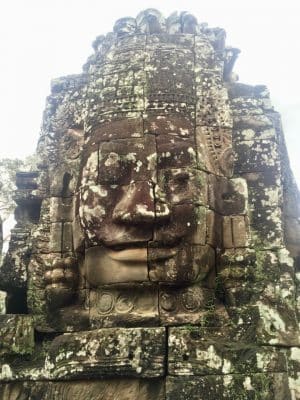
(157, 245)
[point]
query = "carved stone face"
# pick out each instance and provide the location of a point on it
(142, 206)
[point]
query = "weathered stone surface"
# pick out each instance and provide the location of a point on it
(189, 264)
(158, 242)
(271, 386)
(257, 156)
(214, 150)
(16, 333)
(191, 305)
(124, 305)
(266, 324)
(132, 352)
(183, 185)
(208, 352)
(104, 389)
(228, 196)
(3, 302)
(13, 271)
(106, 266)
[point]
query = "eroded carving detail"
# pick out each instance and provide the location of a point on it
(163, 197)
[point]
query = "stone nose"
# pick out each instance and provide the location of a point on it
(138, 206)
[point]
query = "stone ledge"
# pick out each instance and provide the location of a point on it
(274, 386)
(111, 352)
(201, 351)
(133, 389)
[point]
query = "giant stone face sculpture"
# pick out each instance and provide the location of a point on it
(156, 252)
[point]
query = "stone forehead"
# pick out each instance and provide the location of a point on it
(163, 77)
(146, 73)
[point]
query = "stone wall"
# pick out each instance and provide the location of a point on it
(156, 251)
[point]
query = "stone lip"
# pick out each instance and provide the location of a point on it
(130, 254)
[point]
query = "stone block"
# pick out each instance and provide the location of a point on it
(228, 196)
(260, 123)
(190, 305)
(267, 324)
(183, 185)
(260, 386)
(104, 389)
(177, 153)
(67, 237)
(235, 231)
(41, 239)
(172, 124)
(212, 108)
(16, 332)
(249, 133)
(78, 235)
(163, 39)
(199, 236)
(196, 351)
(176, 74)
(249, 91)
(293, 363)
(214, 229)
(38, 265)
(127, 304)
(257, 156)
(292, 235)
(187, 264)
(179, 221)
(13, 271)
(126, 160)
(52, 315)
(264, 190)
(55, 244)
(266, 228)
(62, 178)
(60, 209)
(227, 233)
(111, 352)
(119, 128)
(240, 231)
(107, 267)
(2, 302)
(214, 150)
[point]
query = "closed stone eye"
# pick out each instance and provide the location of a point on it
(113, 169)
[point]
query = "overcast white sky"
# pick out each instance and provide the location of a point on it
(43, 39)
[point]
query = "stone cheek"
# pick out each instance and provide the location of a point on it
(156, 251)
